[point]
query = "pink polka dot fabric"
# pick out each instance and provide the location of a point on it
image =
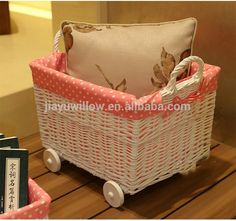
(38, 207)
(49, 73)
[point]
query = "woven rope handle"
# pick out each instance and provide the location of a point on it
(56, 41)
(171, 86)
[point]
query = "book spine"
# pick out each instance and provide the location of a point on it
(23, 199)
(2, 183)
(9, 142)
(13, 179)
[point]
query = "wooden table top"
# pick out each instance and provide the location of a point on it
(209, 192)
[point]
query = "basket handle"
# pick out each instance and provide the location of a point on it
(56, 41)
(171, 86)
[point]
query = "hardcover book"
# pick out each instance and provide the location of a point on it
(13, 179)
(11, 142)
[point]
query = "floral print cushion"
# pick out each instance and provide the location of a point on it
(133, 58)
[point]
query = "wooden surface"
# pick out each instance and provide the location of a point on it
(5, 27)
(209, 192)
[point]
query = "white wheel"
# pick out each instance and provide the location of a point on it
(191, 170)
(52, 160)
(206, 157)
(113, 194)
(184, 173)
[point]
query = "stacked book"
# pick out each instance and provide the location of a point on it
(13, 174)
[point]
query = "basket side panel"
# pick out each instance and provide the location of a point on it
(178, 143)
(98, 142)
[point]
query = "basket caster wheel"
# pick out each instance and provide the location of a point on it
(191, 170)
(113, 194)
(206, 157)
(52, 160)
(184, 173)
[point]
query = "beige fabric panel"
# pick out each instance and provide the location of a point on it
(123, 57)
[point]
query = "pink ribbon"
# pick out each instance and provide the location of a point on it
(197, 95)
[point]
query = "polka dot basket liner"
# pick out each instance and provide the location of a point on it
(132, 148)
(49, 74)
(38, 207)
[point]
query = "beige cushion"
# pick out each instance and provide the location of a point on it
(136, 58)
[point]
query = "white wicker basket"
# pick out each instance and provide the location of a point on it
(133, 154)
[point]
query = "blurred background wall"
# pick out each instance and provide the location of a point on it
(30, 38)
(44, 5)
(94, 12)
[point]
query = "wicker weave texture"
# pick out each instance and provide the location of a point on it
(133, 153)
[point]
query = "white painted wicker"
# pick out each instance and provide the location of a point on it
(133, 153)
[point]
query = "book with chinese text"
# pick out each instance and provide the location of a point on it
(13, 179)
(11, 142)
